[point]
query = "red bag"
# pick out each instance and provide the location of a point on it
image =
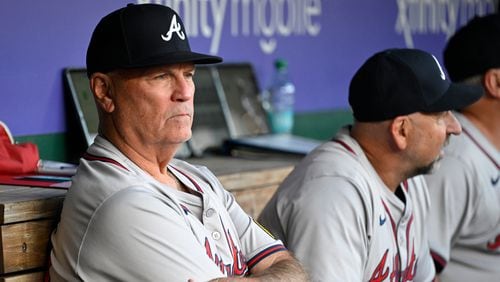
(16, 158)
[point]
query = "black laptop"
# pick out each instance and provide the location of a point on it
(236, 87)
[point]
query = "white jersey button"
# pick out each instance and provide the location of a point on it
(210, 212)
(216, 235)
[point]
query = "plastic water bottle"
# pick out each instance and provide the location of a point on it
(278, 99)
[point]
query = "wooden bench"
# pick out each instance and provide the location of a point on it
(252, 181)
(29, 214)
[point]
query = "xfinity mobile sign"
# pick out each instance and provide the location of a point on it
(264, 19)
(324, 42)
(437, 16)
(270, 20)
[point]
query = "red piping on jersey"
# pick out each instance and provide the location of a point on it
(408, 234)
(410, 221)
(190, 179)
(405, 185)
(90, 157)
(185, 209)
(439, 261)
(394, 232)
(271, 250)
(347, 147)
(481, 148)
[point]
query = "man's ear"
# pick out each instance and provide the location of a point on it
(400, 129)
(102, 88)
(491, 82)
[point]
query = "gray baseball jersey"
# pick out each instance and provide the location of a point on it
(464, 228)
(118, 223)
(343, 223)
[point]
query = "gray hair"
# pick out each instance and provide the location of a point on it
(474, 80)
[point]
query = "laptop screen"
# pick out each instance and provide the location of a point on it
(226, 105)
(83, 101)
(209, 123)
(241, 92)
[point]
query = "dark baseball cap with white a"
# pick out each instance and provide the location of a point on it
(397, 82)
(141, 35)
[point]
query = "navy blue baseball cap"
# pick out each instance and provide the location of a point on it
(474, 48)
(398, 82)
(141, 35)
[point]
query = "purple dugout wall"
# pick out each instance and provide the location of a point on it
(325, 41)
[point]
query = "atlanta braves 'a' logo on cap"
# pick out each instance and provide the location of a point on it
(174, 27)
(441, 72)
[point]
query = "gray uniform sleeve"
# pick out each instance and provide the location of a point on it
(156, 237)
(328, 230)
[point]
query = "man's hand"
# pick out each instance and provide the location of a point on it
(280, 266)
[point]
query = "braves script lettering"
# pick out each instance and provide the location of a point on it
(237, 267)
(495, 244)
(381, 272)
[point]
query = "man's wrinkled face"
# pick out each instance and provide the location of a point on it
(154, 105)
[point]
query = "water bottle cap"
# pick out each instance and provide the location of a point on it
(280, 64)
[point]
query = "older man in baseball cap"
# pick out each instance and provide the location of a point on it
(355, 208)
(133, 212)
